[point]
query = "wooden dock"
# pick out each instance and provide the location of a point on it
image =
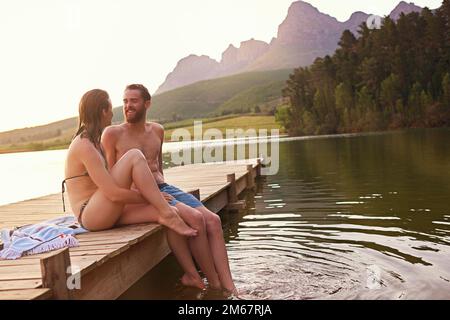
(111, 261)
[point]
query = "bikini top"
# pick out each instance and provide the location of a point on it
(86, 174)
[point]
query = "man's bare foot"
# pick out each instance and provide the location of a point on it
(215, 285)
(173, 221)
(190, 281)
(233, 292)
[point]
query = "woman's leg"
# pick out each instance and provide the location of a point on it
(101, 213)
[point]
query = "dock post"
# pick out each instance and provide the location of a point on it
(250, 178)
(54, 274)
(234, 204)
(195, 193)
(232, 193)
(258, 167)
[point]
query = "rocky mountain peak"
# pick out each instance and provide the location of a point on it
(404, 7)
(305, 34)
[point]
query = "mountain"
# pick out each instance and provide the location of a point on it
(197, 68)
(191, 69)
(305, 34)
(405, 8)
(235, 59)
(205, 98)
(355, 21)
(222, 96)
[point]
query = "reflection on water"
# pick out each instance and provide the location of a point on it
(347, 217)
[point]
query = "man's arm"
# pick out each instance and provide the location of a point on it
(108, 141)
(160, 156)
(166, 196)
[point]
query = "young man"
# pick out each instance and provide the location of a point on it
(208, 248)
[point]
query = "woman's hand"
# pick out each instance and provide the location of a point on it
(167, 196)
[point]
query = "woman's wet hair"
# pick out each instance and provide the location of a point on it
(91, 108)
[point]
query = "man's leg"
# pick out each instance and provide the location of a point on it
(200, 248)
(177, 243)
(217, 246)
(180, 248)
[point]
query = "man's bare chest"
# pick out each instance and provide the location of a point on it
(149, 144)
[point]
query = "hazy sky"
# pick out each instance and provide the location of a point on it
(52, 51)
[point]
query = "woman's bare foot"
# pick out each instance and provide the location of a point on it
(191, 281)
(173, 221)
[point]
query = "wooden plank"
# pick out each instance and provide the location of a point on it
(20, 284)
(20, 275)
(89, 262)
(124, 231)
(19, 262)
(89, 248)
(218, 202)
(241, 184)
(26, 294)
(232, 191)
(116, 275)
(250, 178)
(195, 193)
(54, 274)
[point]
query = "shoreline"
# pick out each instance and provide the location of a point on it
(283, 137)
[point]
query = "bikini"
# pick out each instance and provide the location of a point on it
(83, 206)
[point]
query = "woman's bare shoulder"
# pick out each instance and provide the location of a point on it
(81, 145)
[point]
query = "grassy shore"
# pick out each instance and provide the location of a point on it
(244, 122)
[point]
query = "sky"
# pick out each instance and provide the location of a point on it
(53, 51)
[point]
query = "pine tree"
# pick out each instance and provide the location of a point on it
(344, 105)
(394, 77)
(446, 91)
(415, 107)
(390, 92)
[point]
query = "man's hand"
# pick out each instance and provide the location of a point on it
(167, 196)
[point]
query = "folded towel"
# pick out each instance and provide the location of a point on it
(41, 237)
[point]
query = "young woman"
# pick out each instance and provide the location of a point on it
(97, 196)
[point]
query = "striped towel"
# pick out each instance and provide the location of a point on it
(42, 237)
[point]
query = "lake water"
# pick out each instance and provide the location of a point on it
(30, 175)
(358, 216)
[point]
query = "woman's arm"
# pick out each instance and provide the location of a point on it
(92, 160)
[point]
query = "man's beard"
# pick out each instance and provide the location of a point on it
(138, 116)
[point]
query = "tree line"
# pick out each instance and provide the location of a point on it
(394, 77)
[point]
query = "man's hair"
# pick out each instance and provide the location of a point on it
(142, 89)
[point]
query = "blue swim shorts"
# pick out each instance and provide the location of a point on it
(180, 196)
